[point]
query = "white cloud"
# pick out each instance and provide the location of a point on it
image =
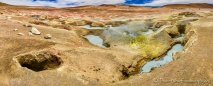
(164, 2)
(61, 3)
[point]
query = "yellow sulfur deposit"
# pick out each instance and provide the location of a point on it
(148, 47)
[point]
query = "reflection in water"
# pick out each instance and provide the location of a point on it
(164, 60)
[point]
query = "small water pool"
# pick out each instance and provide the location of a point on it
(164, 60)
(85, 26)
(179, 37)
(96, 40)
(89, 27)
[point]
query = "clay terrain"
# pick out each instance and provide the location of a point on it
(106, 45)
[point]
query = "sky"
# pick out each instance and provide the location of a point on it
(72, 3)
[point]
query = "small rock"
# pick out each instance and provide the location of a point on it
(20, 34)
(19, 22)
(48, 36)
(8, 17)
(27, 25)
(35, 31)
(15, 29)
(30, 33)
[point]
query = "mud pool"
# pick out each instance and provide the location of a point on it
(164, 60)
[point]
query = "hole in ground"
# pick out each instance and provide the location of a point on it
(39, 61)
(172, 35)
(181, 28)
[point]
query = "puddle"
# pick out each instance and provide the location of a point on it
(164, 60)
(89, 27)
(96, 40)
(96, 28)
(179, 37)
(85, 26)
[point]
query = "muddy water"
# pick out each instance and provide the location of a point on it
(164, 60)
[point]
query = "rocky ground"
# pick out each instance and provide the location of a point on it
(43, 46)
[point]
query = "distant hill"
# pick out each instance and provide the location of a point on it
(114, 6)
(3, 4)
(193, 5)
(153, 6)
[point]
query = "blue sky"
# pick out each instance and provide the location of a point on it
(71, 3)
(137, 1)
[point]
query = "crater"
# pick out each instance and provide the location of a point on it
(39, 61)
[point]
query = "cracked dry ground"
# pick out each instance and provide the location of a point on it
(68, 59)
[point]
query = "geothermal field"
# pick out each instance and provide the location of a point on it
(106, 45)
